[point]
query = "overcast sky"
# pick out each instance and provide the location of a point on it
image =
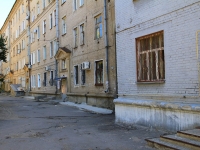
(5, 7)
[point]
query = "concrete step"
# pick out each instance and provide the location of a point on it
(191, 134)
(28, 97)
(162, 145)
(46, 99)
(181, 141)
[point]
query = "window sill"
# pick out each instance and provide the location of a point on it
(75, 47)
(63, 3)
(82, 44)
(64, 34)
(98, 84)
(81, 6)
(76, 86)
(150, 82)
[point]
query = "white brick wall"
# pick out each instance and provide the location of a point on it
(180, 20)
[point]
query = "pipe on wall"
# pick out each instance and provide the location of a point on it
(106, 46)
(57, 39)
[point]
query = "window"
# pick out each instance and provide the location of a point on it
(76, 75)
(44, 26)
(75, 5)
(150, 58)
(44, 3)
(99, 73)
(22, 8)
(64, 30)
(33, 80)
(82, 76)
(50, 21)
(38, 55)
(55, 47)
(32, 58)
(81, 2)
(98, 27)
(13, 52)
(38, 32)
(45, 79)
(75, 38)
(38, 8)
(51, 78)
(39, 82)
(51, 49)
(44, 53)
(82, 35)
(63, 64)
(63, 1)
(54, 17)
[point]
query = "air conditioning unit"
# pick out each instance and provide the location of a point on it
(47, 68)
(85, 65)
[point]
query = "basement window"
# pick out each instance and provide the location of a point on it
(150, 58)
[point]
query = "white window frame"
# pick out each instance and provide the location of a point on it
(38, 55)
(64, 26)
(43, 4)
(44, 52)
(38, 8)
(44, 26)
(39, 80)
(50, 21)
(51, 49)
(82, 34)
(63, 64)
(38, 32)
(55, 47)
(63, 1)
(74, 5)
(75, 33)
(81, 3)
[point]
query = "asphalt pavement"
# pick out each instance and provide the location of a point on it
(29, 125)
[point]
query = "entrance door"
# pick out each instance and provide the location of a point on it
(64, 86)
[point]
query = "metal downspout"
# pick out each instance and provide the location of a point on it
(106, 46)
(57, 38)
(197, 54)
(29, 45)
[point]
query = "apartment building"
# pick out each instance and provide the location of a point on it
(63, 47)
(158, 63)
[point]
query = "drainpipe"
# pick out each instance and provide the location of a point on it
(29, 46)
(9, 33)
(197, 53)
(57, 38)
(106, 46)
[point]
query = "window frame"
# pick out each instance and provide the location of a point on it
(75, 33)
(98, 25)
(82, 34)
(44, 52)
(39, 80)
(76, 76)
(64, 26)
(63, 64)
(157, 74)
(95, 73)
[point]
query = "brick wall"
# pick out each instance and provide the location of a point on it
(179, 20)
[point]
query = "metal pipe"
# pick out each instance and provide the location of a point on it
(106, 46)
(29, 45)
(57, 39)
(197, 53)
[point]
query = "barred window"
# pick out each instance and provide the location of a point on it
(150, 57)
